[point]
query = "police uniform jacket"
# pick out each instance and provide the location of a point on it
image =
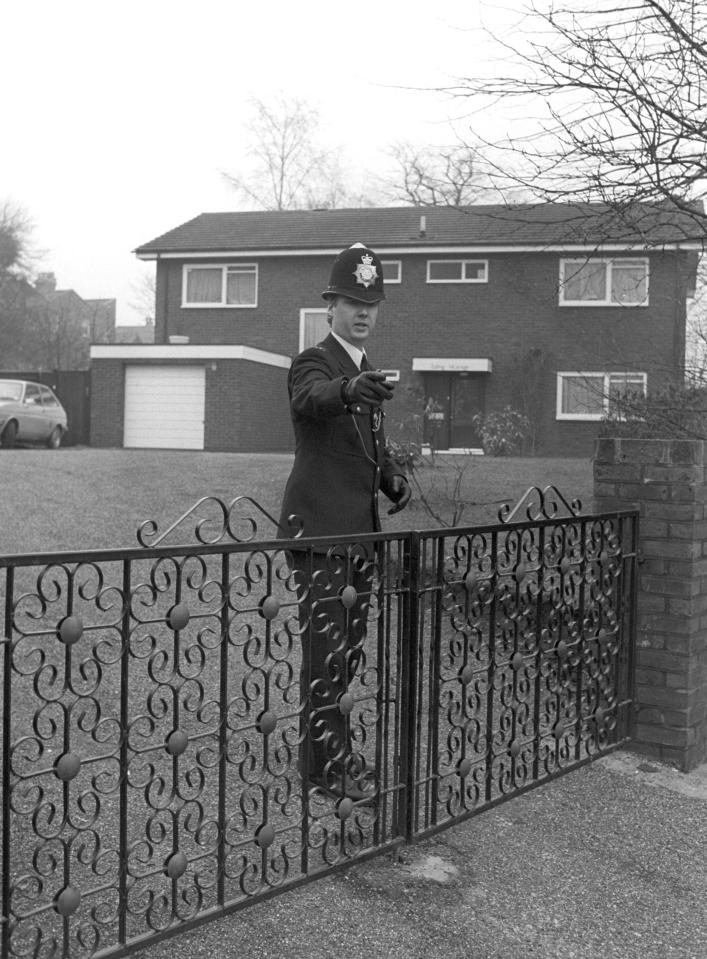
(340, 460)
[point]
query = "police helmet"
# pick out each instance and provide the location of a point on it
(357, 273)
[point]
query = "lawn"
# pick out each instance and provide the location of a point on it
(79, 498)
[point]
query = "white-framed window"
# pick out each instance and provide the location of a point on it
(313, 327)
(589, 396)
(457, 271)
(392, 271)
(598, 281)
(230, 284)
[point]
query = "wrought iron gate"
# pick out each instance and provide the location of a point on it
(154, 713)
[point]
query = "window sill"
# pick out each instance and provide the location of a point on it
(219, 306)
(602, 304)
(579, 417)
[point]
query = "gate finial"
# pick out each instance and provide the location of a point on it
(540, 504)
(223, 522)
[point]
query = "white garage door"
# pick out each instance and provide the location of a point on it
(164, 407)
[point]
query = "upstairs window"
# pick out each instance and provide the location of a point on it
(392, 271)
(589, 396)
(457, 271)
(600, 282)
(233, 285)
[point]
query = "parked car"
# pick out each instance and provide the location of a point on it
(30, 413)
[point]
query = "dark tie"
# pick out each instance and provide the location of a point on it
(365, 365)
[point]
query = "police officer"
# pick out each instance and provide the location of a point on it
(337, 406)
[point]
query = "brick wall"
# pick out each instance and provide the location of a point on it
(247, 407)
(666, 480)
(107, 402)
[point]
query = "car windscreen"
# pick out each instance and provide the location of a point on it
(10, 390)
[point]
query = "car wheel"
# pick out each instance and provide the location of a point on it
(54, 440)
(9, 435)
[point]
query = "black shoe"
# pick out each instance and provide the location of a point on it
(361, 789)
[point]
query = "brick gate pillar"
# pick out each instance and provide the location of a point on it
(666, 481)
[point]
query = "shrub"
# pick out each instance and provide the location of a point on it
(404, 441)
(672, 413)
(436, 480)
(502, 433)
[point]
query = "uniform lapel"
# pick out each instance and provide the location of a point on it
(343, 360)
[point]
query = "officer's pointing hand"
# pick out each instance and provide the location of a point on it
(400, 493)
(368, 387)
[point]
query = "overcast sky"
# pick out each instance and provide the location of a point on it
(119, 116)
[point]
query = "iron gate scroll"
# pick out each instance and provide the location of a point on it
(153, 717)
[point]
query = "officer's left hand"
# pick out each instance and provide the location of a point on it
(400, 493)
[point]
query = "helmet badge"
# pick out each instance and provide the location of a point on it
(366, 272)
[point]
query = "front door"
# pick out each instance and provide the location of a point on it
(451, 402)
(467, 402)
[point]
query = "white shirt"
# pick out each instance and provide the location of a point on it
(353, 351)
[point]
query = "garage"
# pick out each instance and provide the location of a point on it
(164, 407)
(190, 397)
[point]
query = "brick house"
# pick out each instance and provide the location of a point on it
(553, 309)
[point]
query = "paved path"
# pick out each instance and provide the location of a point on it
(609, 862)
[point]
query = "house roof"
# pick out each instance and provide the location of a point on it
(408, 228)
(60, 300)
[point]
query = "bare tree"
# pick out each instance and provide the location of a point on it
(616, 92)
(13, 297)
(57, 334)
(290, 170)
(15, 258)
(436, 176)
(143, 294)
(15, 237)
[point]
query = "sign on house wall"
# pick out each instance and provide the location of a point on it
(432, 364)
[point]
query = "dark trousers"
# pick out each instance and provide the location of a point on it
(334, 592)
